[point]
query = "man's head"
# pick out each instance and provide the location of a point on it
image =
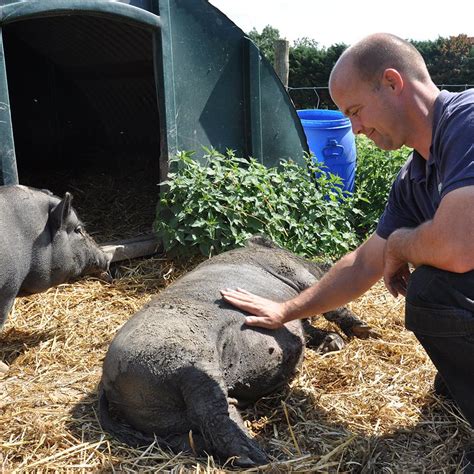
(373, 83)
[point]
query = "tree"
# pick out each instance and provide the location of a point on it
(449, 60)
(306, 63)
(265, 41)
(455, 62)
(310, 66)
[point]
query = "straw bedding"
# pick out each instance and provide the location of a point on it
(367, 408)
(126, 196)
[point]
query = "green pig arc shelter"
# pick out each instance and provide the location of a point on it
(92, 87)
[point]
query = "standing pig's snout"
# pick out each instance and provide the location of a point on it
(106, 276)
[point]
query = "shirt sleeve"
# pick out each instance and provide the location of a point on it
(455, 149)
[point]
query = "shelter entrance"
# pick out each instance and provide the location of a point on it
(85, 119)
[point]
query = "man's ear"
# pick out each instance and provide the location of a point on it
(392, 78)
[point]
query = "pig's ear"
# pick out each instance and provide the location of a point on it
(60, 213)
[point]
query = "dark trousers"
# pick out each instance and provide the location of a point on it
(440, 312)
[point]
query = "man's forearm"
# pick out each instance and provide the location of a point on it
(344, 282)
(348, 279)
(409, 245)
(446, 241)
(426, 245)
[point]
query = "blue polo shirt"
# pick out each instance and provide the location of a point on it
(421, 184)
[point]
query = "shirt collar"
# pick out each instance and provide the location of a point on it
(421, 169)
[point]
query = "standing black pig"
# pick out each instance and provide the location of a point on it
(42, 244)
(185, 361)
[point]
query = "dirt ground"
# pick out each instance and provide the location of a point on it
(367, 408)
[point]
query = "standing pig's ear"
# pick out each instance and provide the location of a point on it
(60, 212)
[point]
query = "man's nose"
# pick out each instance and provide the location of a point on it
(356, 125)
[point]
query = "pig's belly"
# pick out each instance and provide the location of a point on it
(258, 362)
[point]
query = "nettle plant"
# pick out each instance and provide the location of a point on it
(216, 204)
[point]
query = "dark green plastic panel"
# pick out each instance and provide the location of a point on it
(275, 131)
(219, 91)
(8, 171)
(29, 9)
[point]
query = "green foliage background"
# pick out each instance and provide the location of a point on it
(450, 62)
(215, 206)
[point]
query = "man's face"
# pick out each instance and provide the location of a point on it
(375, 112)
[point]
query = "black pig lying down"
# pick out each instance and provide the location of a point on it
(42, 244)
(186, 361)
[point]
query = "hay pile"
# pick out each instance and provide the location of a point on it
(368, 408)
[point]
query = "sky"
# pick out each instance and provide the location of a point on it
(342, 21)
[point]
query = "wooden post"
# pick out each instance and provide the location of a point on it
(282, 62)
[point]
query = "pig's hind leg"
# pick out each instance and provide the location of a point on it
(218, 422)
(6, 305)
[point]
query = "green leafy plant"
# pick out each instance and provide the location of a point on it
(216, 204)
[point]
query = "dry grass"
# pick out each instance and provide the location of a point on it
(368, 408)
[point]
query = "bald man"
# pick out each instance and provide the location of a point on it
(382, 84)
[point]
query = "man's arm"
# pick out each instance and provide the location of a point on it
(350, 277)
(445, 242)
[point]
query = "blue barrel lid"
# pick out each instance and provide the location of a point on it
(322, 118)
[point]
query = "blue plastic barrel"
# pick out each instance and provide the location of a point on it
(330, 139)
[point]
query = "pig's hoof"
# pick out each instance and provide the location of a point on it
(363, 331)
(331, 342)
(251, 459)
(3, 368)
(242, 451)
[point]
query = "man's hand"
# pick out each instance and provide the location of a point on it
(267, 314)
(396, 271)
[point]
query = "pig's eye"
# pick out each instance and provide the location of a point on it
(79, 229)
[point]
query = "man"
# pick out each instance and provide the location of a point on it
(382, 84)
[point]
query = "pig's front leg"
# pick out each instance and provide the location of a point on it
(349, 323)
